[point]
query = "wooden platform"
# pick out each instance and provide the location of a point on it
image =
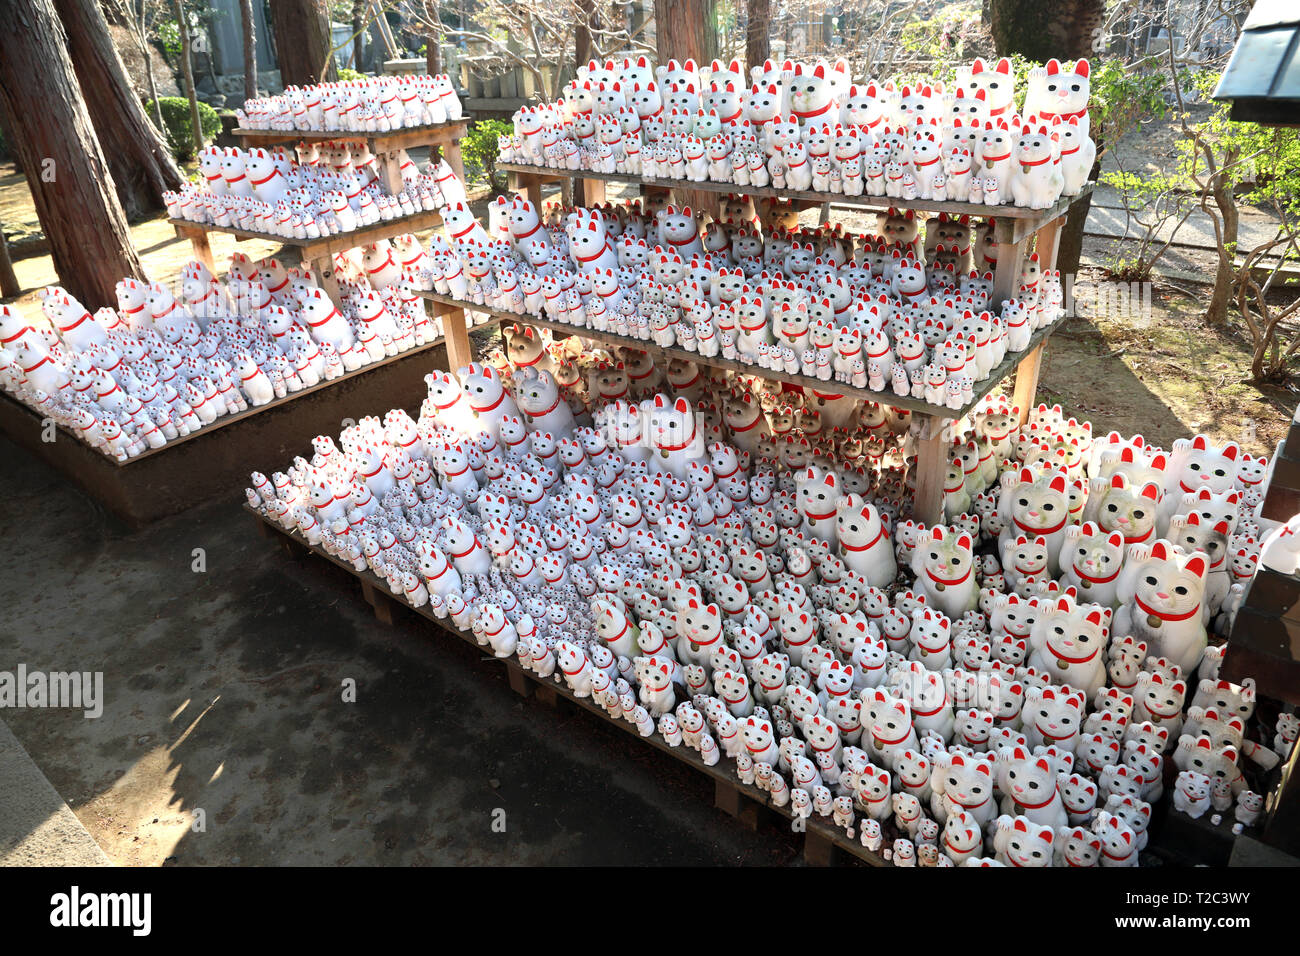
(434, 134)
(932, 451)
(886, 397)
(1013, 223)
(217, 458)
(822, 840)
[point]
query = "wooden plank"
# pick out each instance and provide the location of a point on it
(1032, 217)
(1027, 373)
(996, 375)
(203, 251)
(931, 465)
(526, 185)
(728, 798)
(432, 134)
(226, 420)
(551, 688)
(326, 245)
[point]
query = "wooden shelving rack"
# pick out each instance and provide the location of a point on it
(1015, 229)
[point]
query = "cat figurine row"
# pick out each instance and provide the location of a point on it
(372, 104)
(808, 126)
(159, 367)
(327, 189)
(861, 311)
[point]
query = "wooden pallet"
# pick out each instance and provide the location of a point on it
(1013, 223)
(823, 842)
(218, 457)
(433, 134)
(445, 137)
(932, 452)
(318, 253)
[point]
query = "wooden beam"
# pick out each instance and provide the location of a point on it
(931, 464)
(1027, 373)
(1006, 275)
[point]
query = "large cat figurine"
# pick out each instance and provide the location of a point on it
(944, 565)
(1036, 504)
(1160, 602)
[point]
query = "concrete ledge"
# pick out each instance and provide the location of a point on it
(36, 827)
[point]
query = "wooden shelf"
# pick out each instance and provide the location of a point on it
(1013, 222)
(224, 420)
(821, 835)
(325, 245)
(434, 134)
(887, 397)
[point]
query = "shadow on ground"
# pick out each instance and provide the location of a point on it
(224, 709)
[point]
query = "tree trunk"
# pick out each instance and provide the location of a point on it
(9, 287)
(302, 37)
(56, 147)
(153, 86)
(187, 73)
(582, 33)
(250, 48)
(758, 39)
(432, 39)
(138, 157)
(432, 53)
(1040, 30)
(358, 35)
(1216, 313)
(684, 29)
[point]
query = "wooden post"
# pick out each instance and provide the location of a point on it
(817, 850)
(931, 463)
(390, 172)
(519, 683)
(455, 331)
(381, 603)
(1027, 380)
(451, 153)
(528, 186)
(592, 192)
(323, 266)
(9, 287)
(1006, 276)
(202, 249)
(1047, 242)
(728, 798)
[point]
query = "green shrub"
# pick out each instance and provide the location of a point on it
(346, 73)
(479, 151)
(176, 117)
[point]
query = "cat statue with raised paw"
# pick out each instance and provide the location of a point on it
(1160, 596)
(1192, 793)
